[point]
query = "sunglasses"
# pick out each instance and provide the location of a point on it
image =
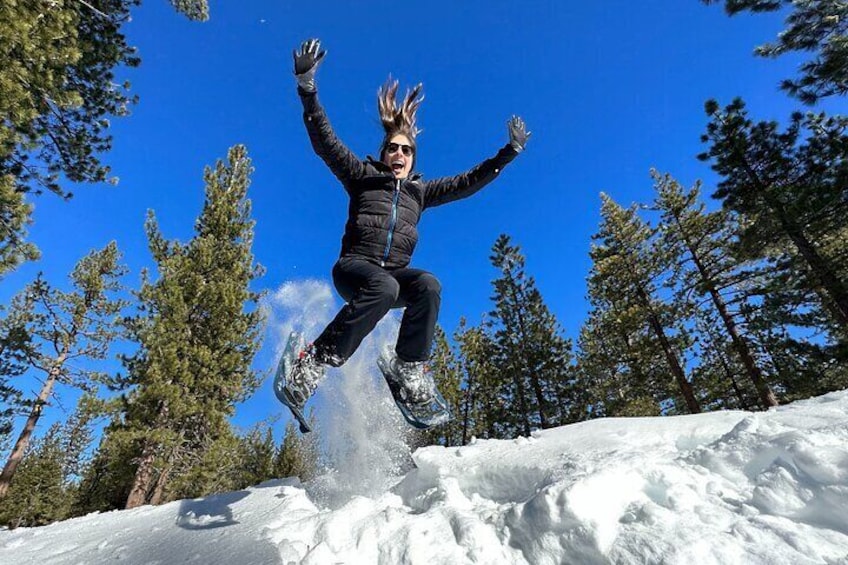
(393, 147)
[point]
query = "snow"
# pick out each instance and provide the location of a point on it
(723, 488)
(718, 488)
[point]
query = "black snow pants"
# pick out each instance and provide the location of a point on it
(371, 291)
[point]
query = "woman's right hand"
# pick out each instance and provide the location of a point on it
(306, 63)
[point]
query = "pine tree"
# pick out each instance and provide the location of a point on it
(62, 327)
(258, 453)
(197, 10)
(482, 409)
(619, 369)
(58, 91)
(297, 456)
(15, 348)
(819, 27)
(530, 350)
(38, 496)
(45, 485)
(105, 482)
(720, 376)
(801, 366)
(216, 466)
(446, 373)
(701, 240)
(792, 190)
(626, 265)
(78, 436)
(15, 217)
(196, 339)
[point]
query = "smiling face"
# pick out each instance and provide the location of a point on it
(399, 154)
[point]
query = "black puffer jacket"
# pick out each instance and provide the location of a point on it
(382, 223)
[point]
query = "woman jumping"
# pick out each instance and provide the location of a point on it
(372, 274)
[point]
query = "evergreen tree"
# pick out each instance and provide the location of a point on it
(447, 375)
(297, 456)
(39, 495)
(197, 340)
(482, 409)
(626, 266)
(62, 327)
(105, 482)
(58, 91)
(701, 240)
(45, 484)
(77, 438)
(801, 366)
(216, 466)
(258, 457)
(620, 373)
(15, 216)
(720, 376)
(530, 350)
(229, 462)
(15, 349)
(792, 191)
(197, 10)
(819, 27)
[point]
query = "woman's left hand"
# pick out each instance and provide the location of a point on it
(518, 134)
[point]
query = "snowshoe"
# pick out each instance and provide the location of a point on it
(414, 391)
(297, 377)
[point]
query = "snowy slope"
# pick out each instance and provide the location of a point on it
(724, 488)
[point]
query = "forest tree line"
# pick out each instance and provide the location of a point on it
(740, 301)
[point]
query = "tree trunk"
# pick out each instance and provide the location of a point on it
(159, 488)
(631, 360)
(143, 476)
(767, 396)
(466, 406)
(673, 363)
(740, 394)
(540, 399)
(533, 378)
(522, 401)
(143, 480)
(26, 435)
(833, 292)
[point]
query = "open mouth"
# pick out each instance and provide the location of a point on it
(398, 165)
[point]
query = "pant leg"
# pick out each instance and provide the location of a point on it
(420, 294)
(370, 292)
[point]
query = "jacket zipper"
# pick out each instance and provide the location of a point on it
(392, 224)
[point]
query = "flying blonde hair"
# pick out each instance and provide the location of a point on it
(399, 119)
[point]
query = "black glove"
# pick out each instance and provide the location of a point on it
(306, 63)
(518, 134)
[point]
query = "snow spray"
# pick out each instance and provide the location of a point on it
(360, 430)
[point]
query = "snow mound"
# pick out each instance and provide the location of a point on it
(723, 488)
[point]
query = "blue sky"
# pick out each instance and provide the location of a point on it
(609, 89)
